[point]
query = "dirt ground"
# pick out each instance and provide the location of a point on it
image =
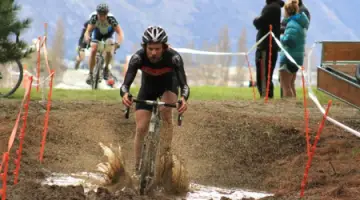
(238, 144)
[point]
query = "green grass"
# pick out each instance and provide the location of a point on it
(196, 93)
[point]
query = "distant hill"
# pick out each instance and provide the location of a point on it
(186, 20)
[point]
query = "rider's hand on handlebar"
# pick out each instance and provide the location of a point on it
(126, 101)
(117, 45)
(183, 106)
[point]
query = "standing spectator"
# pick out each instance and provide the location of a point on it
(302, 8)
(293, 40)
(270, 15)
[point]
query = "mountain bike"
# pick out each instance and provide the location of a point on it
(147, 167)
(99, 64)
(11, 74)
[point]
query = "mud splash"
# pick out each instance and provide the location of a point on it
(91, 181)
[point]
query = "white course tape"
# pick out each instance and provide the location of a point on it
(258, 42)
(193, 51)
(35, 79)
(310, 92)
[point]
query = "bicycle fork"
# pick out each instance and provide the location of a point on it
(99, 66)
(149, 154)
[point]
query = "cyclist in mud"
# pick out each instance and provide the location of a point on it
(162, 73)
(102, 25)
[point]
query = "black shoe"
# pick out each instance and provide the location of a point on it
(89, 79)
(106, 73)
(77, 64)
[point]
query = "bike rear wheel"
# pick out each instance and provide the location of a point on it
(11, 76)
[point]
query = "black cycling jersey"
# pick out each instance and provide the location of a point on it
(81, 39)
(160, 74)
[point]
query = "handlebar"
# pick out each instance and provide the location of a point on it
(155, 103)
(112, 44)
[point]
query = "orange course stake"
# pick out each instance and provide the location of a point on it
(269, 66)
(317, 138)
(4, 176)
(306, 115)
(46, 121)
(22, 133)
(38, 66)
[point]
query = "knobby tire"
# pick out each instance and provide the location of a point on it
(148, 160)
(97, 70)
(13, 90)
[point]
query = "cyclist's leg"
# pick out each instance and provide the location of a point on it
(166, 134)
(109, 49)
(142, 118)
(95, 37)
(169, 96)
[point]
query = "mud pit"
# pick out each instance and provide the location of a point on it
(226, 144)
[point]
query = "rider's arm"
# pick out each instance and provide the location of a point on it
(120, 34)
(91, 25)
(114, 23)
(81, 39)
(89, 28)
(134, 65)
(181, 76)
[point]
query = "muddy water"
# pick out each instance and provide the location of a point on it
(90, 181)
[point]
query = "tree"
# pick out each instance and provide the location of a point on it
(225, 61)
(242, 47)
(57, 51)
(11, 26)
(241, 61)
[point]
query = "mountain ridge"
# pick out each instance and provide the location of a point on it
(186, 21)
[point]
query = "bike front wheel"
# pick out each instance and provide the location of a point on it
(97, 70)
(147, 165)
(11, 76)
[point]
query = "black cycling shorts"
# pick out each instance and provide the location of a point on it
(83, 45)
(97, 36)
(153, 93)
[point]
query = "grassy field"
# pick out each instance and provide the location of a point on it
(196, 93)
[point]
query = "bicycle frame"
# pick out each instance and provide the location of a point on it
(149, 149)
(99, 63)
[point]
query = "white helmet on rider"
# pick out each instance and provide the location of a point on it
(154, 34)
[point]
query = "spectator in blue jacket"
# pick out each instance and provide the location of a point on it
(302, 8)
(293, 40)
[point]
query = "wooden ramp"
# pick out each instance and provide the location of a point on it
(340, 62)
